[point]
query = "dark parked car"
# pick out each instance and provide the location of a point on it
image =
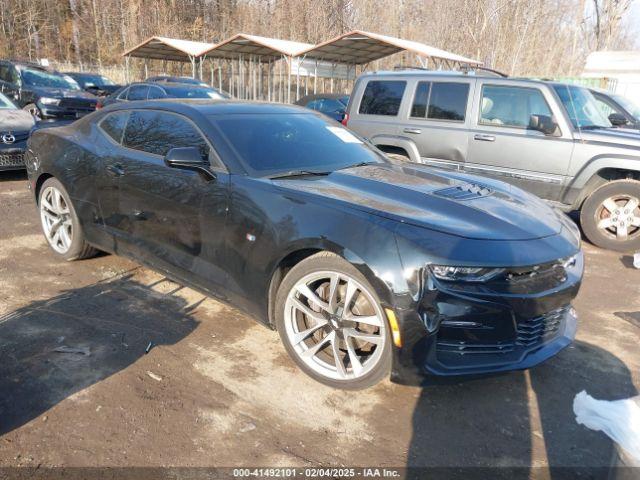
(364, 267)
(172, 79)
(44, 93)
(15, 125)
(94, 83)
(333, 105)
(620, 111)
(153, 91)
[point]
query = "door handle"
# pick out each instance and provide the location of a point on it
(484, 137)
(116, 170)
(415, 131)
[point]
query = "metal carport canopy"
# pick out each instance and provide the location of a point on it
(264, 48)
(172, 49)
(359, 47)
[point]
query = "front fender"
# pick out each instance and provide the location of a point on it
(601, 162)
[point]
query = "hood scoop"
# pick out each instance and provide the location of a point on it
(466, 191)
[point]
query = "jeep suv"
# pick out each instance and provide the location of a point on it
(548, 138)
(46, 94)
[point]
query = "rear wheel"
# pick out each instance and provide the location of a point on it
(610, 217)
(60, 223)
(332, 324)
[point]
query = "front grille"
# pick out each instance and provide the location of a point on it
(465, 348)
(78, 104)
(540, 328)
(11, 159)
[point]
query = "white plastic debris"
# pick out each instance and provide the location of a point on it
(619, 419)
(636, 260)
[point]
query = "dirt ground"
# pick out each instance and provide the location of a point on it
(217, 389)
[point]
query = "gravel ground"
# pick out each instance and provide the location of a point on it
(217, 389)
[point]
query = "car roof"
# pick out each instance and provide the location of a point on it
(210, 106)
(417, 73)
(169, 85)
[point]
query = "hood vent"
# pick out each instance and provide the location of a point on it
(467, 191)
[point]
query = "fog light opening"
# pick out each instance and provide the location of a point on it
(395, 330)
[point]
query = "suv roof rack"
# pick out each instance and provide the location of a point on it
(469, 68)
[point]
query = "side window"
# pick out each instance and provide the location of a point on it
(420, 100)
(9, 74)
(448, 101)
(314, 104)
(138, 92)
(511, 106)
(329, 105)
(155, 92)
(605, 107)
(4, 73)
(382, 97)
(123, 94)
(113, 125)
(158, 132)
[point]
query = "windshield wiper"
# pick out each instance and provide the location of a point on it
(298, 173)
(361, 164)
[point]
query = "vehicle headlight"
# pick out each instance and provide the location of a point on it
(465, 274)
(49, 101)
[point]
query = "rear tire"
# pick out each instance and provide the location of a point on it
(341, 339)
(60, 223)
(610, 217)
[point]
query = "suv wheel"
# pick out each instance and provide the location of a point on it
(332, 324)
(610, 216)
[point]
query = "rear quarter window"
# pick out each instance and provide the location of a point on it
(113, 125)
(382, 97)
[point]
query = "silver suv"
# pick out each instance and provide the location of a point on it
(548, 138)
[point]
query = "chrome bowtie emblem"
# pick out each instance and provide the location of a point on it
(8, 138)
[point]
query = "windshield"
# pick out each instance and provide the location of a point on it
(40, 78)
(96, 80)
(628, 105)
(6, 104)
(344, 100)
(277, 143)
(582, 107)
(188, 92)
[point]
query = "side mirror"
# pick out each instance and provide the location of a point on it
(543, 123)
(187, 158)
(617, 119)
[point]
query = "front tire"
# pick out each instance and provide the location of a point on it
(332, 324)
(610, 216)
(60, 223)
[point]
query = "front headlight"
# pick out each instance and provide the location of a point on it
(49, 101)
(465, 274)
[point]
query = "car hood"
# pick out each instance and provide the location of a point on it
(458, 204)
(15, 120)
(61, 93)
(613, 136)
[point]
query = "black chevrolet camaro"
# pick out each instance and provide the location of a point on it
(365, 268)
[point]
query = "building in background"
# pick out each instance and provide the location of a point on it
(621, 68)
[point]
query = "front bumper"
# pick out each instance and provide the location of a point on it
(49, 112)
(453, 333)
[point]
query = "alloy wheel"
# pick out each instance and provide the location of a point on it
(619, 217)
(56, 220)
(335, 325)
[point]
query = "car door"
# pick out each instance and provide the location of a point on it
(112, 156)
(437, 120)
(503, 146)
(172, 218)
